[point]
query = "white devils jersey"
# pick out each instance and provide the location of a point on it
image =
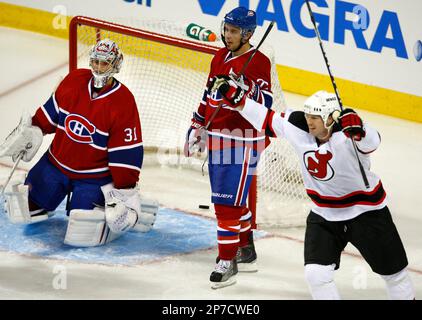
(330, 170)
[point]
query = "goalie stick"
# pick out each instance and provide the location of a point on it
(324, 54)
(15, 165)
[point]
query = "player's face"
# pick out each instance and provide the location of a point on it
(316, 126)
(232, 35)
(100, 66)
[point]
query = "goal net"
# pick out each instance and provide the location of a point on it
(167, 72)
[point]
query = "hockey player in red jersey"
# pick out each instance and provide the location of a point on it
(95, 156)
(344, 210)
(233, 144)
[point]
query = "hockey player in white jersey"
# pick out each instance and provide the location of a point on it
(344, 210)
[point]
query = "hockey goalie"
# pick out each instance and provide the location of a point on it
(94, 159)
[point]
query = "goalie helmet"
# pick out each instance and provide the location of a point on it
(105, 60)
(322, 103)
(242, 18)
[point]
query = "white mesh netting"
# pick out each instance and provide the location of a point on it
(167, 82)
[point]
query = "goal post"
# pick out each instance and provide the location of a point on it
(167, 73)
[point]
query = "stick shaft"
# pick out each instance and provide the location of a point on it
(324, 54)
(15, 165)
(257, 48)
(333, 81)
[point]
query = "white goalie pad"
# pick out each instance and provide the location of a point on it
(24, 138)
(88, 228)
(16, 205)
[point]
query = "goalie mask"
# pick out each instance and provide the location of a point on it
(105, 60)
(242, 18)
(322, 104)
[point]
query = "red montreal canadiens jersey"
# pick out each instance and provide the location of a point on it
(94, 137)
(330, 170)
(228, 123)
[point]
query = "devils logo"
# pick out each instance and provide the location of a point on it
(318, 165)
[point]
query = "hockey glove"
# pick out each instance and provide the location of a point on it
(351, 124)
(196, 139)
(121, 209)
(25, 138)
(124, 210)
(234, 89)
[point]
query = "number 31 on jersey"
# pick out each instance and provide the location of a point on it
(130, 135)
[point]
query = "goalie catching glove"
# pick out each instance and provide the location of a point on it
(234, 89)
(25, 138)
(123, 210)
(350, 123)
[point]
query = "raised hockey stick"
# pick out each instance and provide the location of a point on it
(333, 81)
(211, 119)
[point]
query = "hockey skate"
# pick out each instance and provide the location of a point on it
(224, 274)
(246, 257)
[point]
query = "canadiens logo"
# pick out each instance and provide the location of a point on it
(103, 48)
(79, 129)
(318, 165)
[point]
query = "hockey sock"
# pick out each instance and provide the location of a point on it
(320, 279)
(245, 227)
(228, 230)
(228, 238)
(399, 286)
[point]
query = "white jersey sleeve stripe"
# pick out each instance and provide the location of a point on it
(121, 165)
(125, 147)
(48, 117)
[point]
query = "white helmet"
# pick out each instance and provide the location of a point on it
(322, 104)
(105, 50)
